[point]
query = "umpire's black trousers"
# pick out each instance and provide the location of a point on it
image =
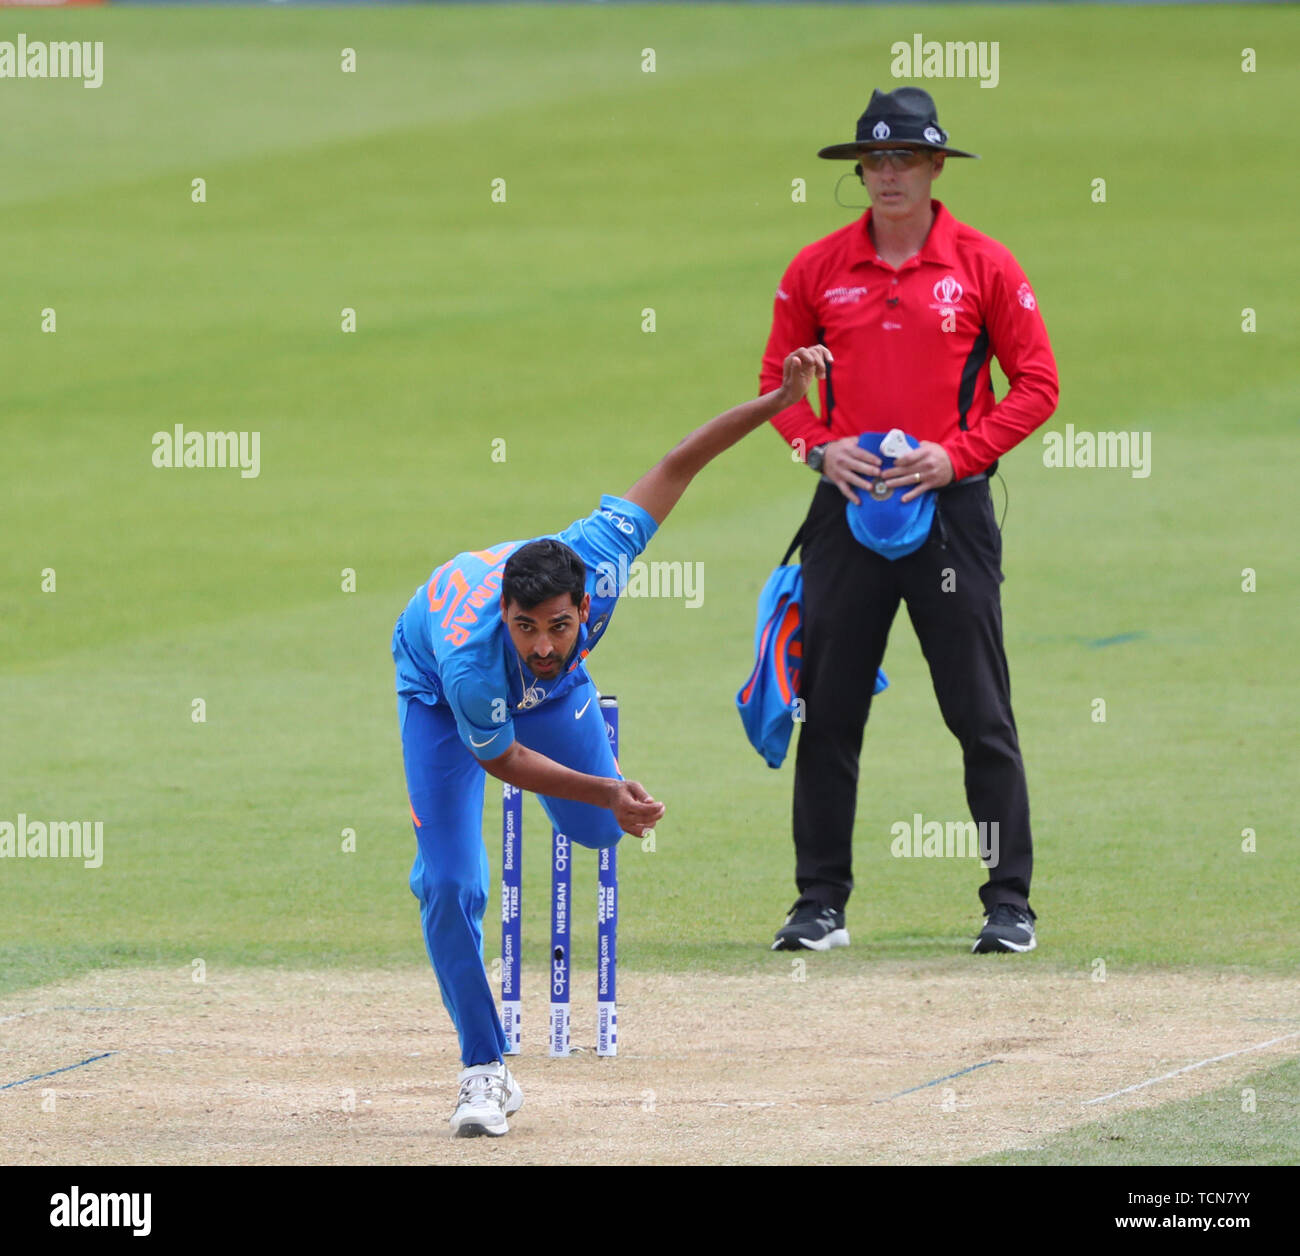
(851, 594)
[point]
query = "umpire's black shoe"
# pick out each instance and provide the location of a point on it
(1006, 928)
(811, 926)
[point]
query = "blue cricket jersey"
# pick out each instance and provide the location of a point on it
(451, 645)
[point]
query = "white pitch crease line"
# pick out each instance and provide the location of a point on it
(1214, 1059)
(36, 1011)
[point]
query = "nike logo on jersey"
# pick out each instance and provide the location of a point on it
(577, 715)
(478, 745)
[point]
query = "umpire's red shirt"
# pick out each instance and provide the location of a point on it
(912, 345)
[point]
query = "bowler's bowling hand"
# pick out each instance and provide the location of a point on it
(634, 809)
(799, 371)
(925, 467)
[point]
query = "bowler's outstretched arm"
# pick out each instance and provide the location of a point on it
(659, 490)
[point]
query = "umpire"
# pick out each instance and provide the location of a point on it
(912, 305)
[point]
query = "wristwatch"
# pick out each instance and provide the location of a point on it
(816, 456)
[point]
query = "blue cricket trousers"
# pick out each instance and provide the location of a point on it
(450, 874)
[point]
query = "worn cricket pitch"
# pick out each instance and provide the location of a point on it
(257, 1066)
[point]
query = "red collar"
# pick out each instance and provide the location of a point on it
(940, 245)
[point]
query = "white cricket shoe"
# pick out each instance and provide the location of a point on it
(488, 1094)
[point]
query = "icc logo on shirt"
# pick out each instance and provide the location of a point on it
(948, 291)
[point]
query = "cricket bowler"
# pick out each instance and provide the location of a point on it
(492, 679)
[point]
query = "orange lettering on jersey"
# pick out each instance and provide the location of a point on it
(456, 583)
(456, 591)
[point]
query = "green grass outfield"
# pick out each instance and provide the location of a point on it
(1228, 1126)
(522, 321)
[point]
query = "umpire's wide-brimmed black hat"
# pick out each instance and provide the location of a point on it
(904, 116)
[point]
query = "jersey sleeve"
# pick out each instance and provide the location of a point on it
(794, 325)
(1018, 339)
(617, 530)
(478, 700)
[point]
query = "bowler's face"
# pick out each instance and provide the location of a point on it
(545, 634)
(898, 193)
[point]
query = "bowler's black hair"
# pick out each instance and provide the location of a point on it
(542, 570)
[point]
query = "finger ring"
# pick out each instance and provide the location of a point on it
(917, 477)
